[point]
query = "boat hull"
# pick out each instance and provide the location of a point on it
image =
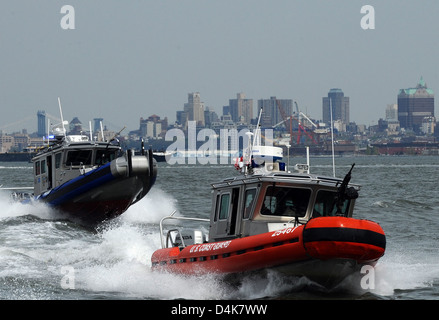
(105, 192)
(361, 240)
(291, 251)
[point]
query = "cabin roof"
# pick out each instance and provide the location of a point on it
(281, 177)
(75, 146)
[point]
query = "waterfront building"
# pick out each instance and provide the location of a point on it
(21, 141)
(415, 104)
(241, 109)
(6, 142)
(41, 129)
(153, 127)
(428, 125)
(194, 109)
(181, 117)
(392, 126)
(75, 126)
(210, 117)
(340, 107)
(392, 112)
(97, 124)
(271, 113)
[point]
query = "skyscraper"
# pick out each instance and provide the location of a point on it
(195, 108)
(97, 124)
(415, 104)
(340, 107)
(241, 109)
(41, 123)
(271, 115)
(392, 112)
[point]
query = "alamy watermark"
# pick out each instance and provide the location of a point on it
(206, 146)
(367, 281)
(68, 20)
(68, 279)
(367, 22)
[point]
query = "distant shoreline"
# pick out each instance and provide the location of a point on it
(16, 156)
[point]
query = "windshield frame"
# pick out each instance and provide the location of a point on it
(285, 205)
(327, 208)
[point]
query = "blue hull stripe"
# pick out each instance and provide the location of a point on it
(78, 186)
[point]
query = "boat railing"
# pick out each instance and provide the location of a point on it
(286, 177)
(171, 216)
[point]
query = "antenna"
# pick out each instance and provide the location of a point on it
(256, 141)
(257, 132)
(102, 131)
(247, 153)
(307, 159)
(332, 137)
(48, 131)
(62, 119)
(90, 132)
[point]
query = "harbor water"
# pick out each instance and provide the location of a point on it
(43, 258)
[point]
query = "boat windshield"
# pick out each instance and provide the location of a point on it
(78, 157)
(285, 201)
(104, 156)
(326, 205)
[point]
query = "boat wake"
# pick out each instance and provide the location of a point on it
(115, 261)
(120, 264)
(403, 271)
(11, 208)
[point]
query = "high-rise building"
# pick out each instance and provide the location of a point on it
(195, 109)
(181, 117)
(97, 124)
(415, 104)
(340, 107)
(271, 113)
(392, 126)
(241, 109)
(153, 127)
(41, 131)
(75, 126)
(210, 117)
(392, 112)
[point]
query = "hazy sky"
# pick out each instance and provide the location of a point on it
(134, 58)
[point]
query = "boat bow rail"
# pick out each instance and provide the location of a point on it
(168, 235)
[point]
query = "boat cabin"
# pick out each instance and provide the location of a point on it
(67, 159)
(250, 205)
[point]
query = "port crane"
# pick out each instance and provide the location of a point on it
(288, 121)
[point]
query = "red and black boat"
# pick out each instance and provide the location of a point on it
(296, 223)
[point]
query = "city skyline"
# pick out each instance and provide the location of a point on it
(416, 116)
(133, 59)
(271, 116)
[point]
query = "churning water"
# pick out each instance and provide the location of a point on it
(42, 257)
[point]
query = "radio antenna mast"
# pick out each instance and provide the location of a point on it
(332, 137)
(62, 119)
